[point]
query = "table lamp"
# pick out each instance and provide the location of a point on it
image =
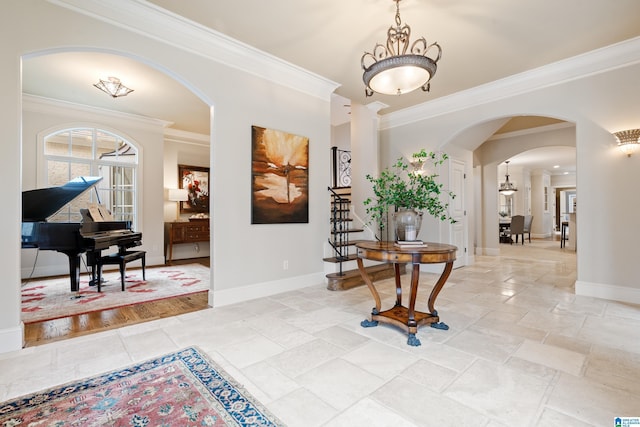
(178, 195)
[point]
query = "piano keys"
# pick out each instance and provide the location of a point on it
(71, 239)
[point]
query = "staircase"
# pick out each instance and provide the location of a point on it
(342, 267)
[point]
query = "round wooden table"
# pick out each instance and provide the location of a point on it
(406, 317)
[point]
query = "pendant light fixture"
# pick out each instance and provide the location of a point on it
(390, 70)
(507, 188)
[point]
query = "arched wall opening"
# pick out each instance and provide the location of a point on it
(58, 88)
(529, 140)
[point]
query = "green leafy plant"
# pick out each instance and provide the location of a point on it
(408, 186)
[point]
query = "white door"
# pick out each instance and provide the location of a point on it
(458, 212)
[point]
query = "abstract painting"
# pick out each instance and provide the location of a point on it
(280, 177)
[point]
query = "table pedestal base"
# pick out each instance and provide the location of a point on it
(406, 317)
(399, 316)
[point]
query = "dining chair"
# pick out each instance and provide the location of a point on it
(517, 227)
(528, 219)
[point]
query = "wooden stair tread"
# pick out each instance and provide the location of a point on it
(335, 260)
(352, 278)
(352, 242)
(348, 230)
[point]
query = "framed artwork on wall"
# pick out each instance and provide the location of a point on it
(195, 180)
(280, 177)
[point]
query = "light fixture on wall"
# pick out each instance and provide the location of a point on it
(178, 195)
(390, 70)
(628, 141)
(417, 164)
(418, 167)
(113, 87)
(507, 188)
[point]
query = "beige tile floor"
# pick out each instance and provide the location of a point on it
(522, 350)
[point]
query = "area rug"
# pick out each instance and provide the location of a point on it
(52, 298)
(184, 388)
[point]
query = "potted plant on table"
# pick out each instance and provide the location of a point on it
(409, 191)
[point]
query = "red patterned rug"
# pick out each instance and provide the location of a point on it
(52, 298)
(179, 389)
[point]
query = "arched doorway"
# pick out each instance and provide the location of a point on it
(58, 87)
(505, 138)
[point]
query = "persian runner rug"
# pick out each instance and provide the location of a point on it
(52, 298)
(184, 388)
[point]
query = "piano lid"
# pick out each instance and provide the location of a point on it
(41, 203)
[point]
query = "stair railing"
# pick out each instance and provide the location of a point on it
(339, 239)
(340, 167)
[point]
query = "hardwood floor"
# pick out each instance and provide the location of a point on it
(68, 327)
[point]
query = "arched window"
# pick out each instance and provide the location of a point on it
(86, 151)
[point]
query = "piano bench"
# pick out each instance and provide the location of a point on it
(121, 259)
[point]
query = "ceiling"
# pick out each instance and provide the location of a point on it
(482, 41)
(556, 160)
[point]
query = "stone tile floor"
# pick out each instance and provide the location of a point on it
(522, 350)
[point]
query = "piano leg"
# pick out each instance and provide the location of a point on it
(92, 261)
(74, 270)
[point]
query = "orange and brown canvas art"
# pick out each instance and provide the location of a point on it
(280, 177)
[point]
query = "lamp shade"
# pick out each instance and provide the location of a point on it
(178, 195)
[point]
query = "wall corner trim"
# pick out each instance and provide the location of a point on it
(12, 339)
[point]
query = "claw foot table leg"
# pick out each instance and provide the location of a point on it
(368, 323)
(413, 341)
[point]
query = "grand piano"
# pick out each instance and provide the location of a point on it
(71, 239)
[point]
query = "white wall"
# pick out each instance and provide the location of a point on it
(247, 259)
(341, 136)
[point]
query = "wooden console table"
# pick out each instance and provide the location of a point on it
(185, 232)
(406, 317)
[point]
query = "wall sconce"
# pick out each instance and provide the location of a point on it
(417, 162)
(418, 166)
(628, 140)
(178, 195)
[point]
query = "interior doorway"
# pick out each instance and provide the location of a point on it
(565, 205)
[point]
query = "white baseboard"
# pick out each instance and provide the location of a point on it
(264, 289)
(541, 235)
(487, 251)
(12, 339)
(609, 292)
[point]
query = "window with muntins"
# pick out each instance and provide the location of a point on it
(70, 153)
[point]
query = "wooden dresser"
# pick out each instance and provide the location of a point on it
(185, 232)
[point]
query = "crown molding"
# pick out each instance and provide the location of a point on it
(144, 18)
(595, 62)
(185, 137)
(39, 104)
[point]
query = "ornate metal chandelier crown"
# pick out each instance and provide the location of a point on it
(391, 70)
